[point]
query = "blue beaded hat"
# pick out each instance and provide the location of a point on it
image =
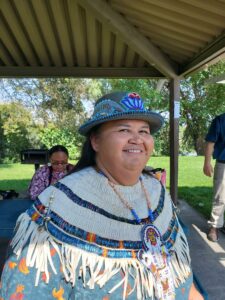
(118, 106)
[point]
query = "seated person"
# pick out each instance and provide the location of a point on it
(46, 175)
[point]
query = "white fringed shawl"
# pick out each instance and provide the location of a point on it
(104, 221)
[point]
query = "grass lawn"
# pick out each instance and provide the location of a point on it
(15, 176)
(193, 185)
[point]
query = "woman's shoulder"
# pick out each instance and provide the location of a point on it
(42, 170)
(73, 183)
(70, 167)
(85, 174)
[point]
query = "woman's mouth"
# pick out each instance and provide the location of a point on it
(133, 150)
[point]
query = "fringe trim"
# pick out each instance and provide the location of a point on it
(180, 259)
(38, 256)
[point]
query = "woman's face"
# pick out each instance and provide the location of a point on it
(59, 161)
(123, 145)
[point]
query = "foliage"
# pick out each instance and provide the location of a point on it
(56, 103)
(17, 131)
(200, 103)
(51, 136)
(64, 103)
(162, 143)
(58, 100)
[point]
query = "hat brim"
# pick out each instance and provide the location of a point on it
(154, 119)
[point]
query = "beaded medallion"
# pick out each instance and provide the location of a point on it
(156, 258)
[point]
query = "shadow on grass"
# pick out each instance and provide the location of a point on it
(14, 184)
(199, 197)
(7, 166)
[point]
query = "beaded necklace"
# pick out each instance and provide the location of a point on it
(154, 254)
(127, 205)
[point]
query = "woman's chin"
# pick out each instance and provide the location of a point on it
(136, 166)
(58, 170)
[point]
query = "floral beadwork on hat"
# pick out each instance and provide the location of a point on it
(133, 101)
(106, 108)
(119, 106)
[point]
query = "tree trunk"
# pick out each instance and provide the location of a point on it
(199, 145)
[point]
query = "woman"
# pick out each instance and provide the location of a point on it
(108, 230)
(49, 174)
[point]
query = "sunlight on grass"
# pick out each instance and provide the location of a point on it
(15, 176)
(193, 185)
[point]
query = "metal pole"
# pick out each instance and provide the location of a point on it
(174, 136)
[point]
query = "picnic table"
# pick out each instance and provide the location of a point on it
(10, 209)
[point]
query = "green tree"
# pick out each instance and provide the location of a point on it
(64, 103)
(200, 103)
(51, 136)
(16, 128)
(59, 102)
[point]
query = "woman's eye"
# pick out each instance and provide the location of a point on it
(124, 130)
(144, 132)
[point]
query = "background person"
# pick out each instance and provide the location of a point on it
(108, 230)
(215, 146)
(49, 174)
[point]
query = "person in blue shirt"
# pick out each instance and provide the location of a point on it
(215, 147)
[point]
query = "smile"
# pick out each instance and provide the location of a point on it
(133, 151)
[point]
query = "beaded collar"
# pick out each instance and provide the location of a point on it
(125, 202)
(127, 205)
(154, 255)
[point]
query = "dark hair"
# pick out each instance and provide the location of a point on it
(87, 156)
(57, 148)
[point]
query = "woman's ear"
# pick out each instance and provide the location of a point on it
(94, 139)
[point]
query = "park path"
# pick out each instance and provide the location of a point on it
(208, 258)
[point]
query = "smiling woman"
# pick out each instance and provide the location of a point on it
(122, 148)
(108, 230)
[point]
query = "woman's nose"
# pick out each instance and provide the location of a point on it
(135, 138)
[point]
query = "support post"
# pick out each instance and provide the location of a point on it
(174, 136)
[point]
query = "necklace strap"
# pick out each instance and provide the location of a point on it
(128, 206)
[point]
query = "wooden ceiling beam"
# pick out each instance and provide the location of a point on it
(165, 15)
(20, 35)
(142, 19)
(10, 43)
(209, 5)
(209, 55)
(196, 13)
(45, 72)
(78, 34)
(5, 56)
(153, 55)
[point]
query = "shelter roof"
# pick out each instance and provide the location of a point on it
(110, 38)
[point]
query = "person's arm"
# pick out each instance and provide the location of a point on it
(194, 294)
(208, 168)
(38, 182)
